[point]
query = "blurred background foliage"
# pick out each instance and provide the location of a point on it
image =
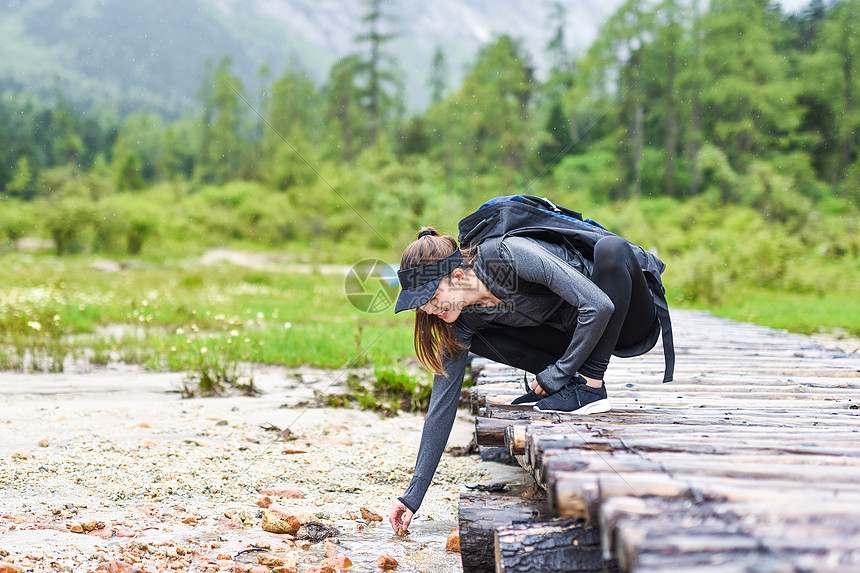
(723, 135)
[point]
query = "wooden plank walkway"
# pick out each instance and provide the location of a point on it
(748, 462)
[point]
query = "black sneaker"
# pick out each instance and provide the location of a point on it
(530, 398)
(577, 399)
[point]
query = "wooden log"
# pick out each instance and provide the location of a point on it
(491, 431)
(481, 515)
(751, 467)
(707, 538)
(739, 563)
(704, 415)
(515, 439)
(559, 546)
(479, 395)
(579, 494)
(834, 451)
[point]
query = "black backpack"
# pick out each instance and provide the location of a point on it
(540, 218)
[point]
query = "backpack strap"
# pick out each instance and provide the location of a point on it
(662, 307)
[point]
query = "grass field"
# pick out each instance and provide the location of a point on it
(184, 316)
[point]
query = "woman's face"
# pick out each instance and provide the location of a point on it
(449, 298)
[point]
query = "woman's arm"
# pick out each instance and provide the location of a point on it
(536, 264)
(444, 399)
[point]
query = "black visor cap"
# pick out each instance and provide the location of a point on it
(419, 284)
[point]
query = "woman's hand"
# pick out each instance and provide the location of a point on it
(537, 388)
(400, 518)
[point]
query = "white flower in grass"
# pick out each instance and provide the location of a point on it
(34, 325)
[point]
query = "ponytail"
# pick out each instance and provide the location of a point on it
(433, 339)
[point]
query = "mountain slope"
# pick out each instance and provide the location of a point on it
(152, 54)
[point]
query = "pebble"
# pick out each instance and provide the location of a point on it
(269, 560)
(453, 543)
(386, 562)
(44, 443)
(274, 523)
(370, 515)
(75, 527)
(338, 562)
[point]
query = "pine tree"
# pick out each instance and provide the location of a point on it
(438, 76)
(377, 69)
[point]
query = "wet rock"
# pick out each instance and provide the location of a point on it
(269, 560)
(315, 532)
(44, 443)
(386, 562)
(321, 569)
(91, 525)
(259, 569)
(9, 568)
(282, 492)
(223, 557)
(243, 517)
(370, 515)
(118, 567)
(338, 562)
(102, 533)
(264, 501)
(275, 523)
(303, 516)
(75, 527)
(285, 569)
(453, 543)
(125, 532)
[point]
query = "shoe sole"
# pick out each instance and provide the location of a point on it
(592, 408)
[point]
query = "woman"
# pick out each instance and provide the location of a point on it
(563, 331)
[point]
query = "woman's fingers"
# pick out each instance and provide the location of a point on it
(536, 387)
(400, 518)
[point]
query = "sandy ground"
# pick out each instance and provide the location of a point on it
(176, 483)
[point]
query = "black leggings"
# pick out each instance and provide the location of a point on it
(533, 348)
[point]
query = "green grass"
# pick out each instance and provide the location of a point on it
(806, 313)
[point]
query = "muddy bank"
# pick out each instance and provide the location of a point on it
(112, 465)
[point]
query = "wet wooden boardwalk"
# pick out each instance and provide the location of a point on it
(748, 462)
